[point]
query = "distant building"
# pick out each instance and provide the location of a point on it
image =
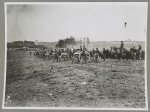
(21, 44)
(29, 43)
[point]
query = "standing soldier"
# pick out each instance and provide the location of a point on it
(142, 55)
(93, 51)
(121, 50)
(104, 52)
(84, 48)
(59, 54)
(97, 54)
(133, 51)
(122, 44)
(70, 54)
(80, 48)
(55, 56)
(83, 55)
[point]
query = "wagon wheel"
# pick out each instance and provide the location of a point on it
(87, 56)
(76, 56)
(64, 57)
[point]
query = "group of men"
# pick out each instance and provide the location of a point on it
(69, 53)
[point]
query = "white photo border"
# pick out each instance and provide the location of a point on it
(71, 108)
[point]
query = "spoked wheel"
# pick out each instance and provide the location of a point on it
(85, 58)
(76, 58)
(64, 57)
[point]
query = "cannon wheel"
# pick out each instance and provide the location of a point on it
(64, 54)
(78, 55)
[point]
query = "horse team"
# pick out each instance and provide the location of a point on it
(82, 54)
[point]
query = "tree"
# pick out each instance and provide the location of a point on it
(70, 40)
(61, 43)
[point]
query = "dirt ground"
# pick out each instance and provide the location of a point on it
(35, 82)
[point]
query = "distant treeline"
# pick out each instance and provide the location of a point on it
(23, 44)
(62, 43)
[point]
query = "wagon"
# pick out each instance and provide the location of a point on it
(64, 56)
(77, 56)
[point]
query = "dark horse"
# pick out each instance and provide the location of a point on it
(120, 53)
(98, 55)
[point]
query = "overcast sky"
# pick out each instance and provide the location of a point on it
(98, 21)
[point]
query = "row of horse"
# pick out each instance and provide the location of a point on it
(125, 53)
(76, 55)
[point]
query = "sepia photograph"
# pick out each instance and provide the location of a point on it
(76, 55)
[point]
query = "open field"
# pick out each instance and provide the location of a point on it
(35, 82)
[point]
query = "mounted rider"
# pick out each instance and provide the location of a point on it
(140, 47)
